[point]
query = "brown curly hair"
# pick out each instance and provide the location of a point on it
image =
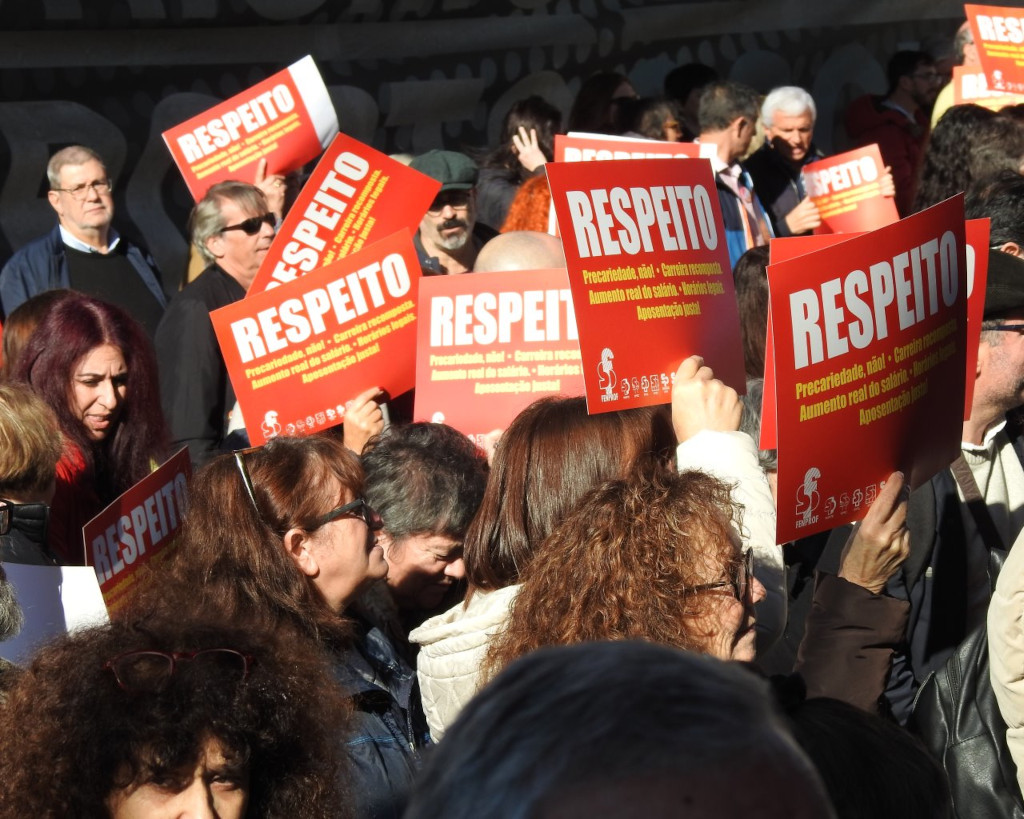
(622, 566)
(73, 736)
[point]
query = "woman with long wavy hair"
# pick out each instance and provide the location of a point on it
(95, 367)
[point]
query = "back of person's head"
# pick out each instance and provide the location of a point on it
(552, 453)
(683, 80)
(30, 445)
(21, 323)
(595, 109)
(722, 102)
(74, 326)
(751, 280)
(870, 767)
(999, 198)
(946, 162)
(998, 146)
(424, 479)
(230, 554)
(635, 552)
(520, 250)
(653, 118)
(903, 64)
(619, 729)
(206, 220)
(103, 712)
(788, 100)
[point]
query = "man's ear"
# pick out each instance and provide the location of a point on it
(984, 351)
(213, 245)
(1012, 248)
(297, 547)
(54, 197)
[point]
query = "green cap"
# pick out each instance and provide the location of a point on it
(455, 171)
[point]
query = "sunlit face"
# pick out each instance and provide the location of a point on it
(87, 210)
(729, 622)
(791, 136)
(1001, 383)
(99, 388)
(448, 223)
(239, 254)
(347, 556)
(422, 569)
(218, 789)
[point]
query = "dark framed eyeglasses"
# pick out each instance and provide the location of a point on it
(456, 200)
(103, 187)
(1005, 328)
(358, 508)
(740, 582)
(253, 225)
(148, 671)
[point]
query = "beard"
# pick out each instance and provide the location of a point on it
(11, 616)
(456, 241)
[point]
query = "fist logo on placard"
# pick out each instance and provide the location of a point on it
(807, 496)
(270, 428)
(606, 373)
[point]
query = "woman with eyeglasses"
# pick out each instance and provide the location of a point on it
(173, 718)
(281, 536)
(95, 367)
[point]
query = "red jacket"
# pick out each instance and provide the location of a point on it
(900, 141)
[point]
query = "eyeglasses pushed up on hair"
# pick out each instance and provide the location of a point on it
(148, 671)
(253, 225)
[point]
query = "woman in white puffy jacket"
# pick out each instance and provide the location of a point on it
(547, 459)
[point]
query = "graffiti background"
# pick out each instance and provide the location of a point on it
(404, 75)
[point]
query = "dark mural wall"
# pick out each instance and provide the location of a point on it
(404, 75)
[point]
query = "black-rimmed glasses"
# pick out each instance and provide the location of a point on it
(358, 508)
(79, 192)
(253, 225)
(1006, 328)
(740, 582)
(149, 670)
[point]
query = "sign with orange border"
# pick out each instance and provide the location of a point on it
(287, 118)
(297, 352)
(971, 86)
(869, 366)
(999, 36)
(137, 529)
(846, 190)
(649, 273)
(354, 196)
(491, 344)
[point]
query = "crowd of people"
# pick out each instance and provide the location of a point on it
(591, 617)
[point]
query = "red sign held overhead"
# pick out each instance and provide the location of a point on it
(287, 118)
(490, 344)
(869, 366)
(354, 197)
(846, 190)
(649, 273)
(579, 147)
(137, 528)
(297, 352)
(999, 36)
(971, 86)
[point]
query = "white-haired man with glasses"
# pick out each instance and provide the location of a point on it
(232, 228)
(84, 252)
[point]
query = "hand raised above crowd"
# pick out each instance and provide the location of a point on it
(364, 418)
(700, 401)
(881, 542)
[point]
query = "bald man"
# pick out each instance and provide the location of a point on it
(520, 250)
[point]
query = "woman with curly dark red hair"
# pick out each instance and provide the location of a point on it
(173, 718)
(95, 367)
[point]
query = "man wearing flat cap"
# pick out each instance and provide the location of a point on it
(449, 237)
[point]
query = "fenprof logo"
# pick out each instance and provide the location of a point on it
(606, 376)
(808, 498)
(270, 427)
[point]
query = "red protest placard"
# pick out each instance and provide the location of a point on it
(297, 352)
(354, 196)
(580, 147)
(977, 233)
(490, 344)
(138, 528)
(971, 86)
(779, 250)
(649, 273)
(287, 118)
(869, 366)
(845, 189)
(999, 36)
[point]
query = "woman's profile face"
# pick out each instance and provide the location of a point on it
(728, 621)
(99, 387)
(218, 787)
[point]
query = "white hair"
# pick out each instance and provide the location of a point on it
(790, 100)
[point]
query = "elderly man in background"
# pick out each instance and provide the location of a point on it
(84, 252)
(232, 228)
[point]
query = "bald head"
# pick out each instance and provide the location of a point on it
(520, 250)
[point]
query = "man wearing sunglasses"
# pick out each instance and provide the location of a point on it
(84, 252)
(232, 228)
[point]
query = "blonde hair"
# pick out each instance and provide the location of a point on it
(30, 441)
